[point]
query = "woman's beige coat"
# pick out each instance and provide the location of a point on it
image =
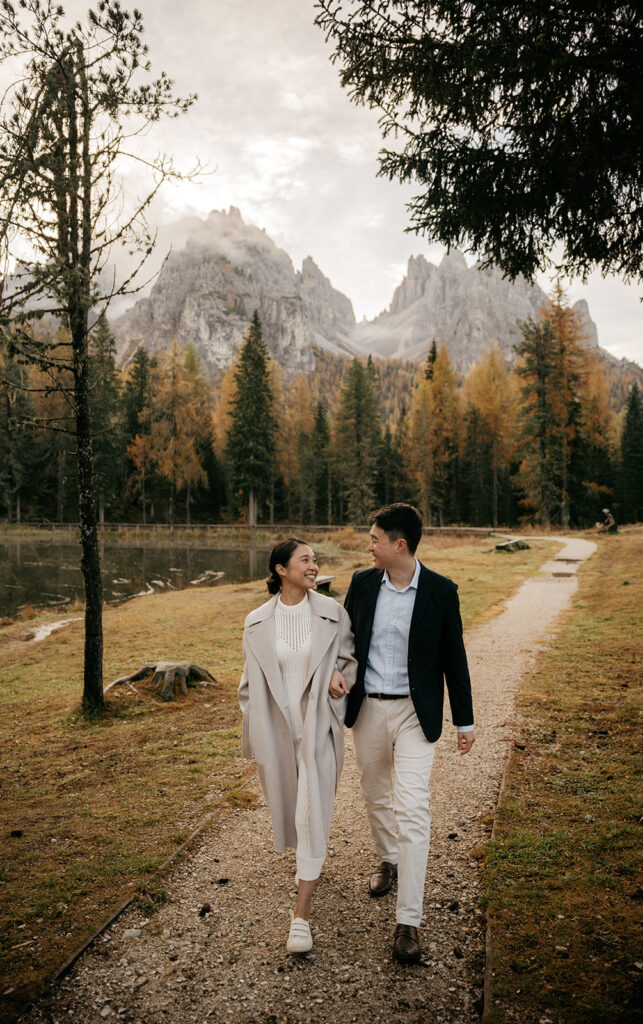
(266, 729)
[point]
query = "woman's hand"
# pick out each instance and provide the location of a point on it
(338, 685)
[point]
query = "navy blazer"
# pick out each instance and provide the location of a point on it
(436, 648)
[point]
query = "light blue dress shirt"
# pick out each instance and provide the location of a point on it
(388, 654)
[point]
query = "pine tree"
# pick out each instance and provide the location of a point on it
(518, 124)
(434, 438)
(422, 447)
(446, 420)
(16, 439)
(141, 481)
(539, 418)
(321, 453)
(67, 121)
(476, 464)
(488, 390)
(294, 445)
(592, 467)
(403, 487)
(430, 361)
(357, 440)
(136, 393)
(631, 482)
(554, 371)
(566, 395)
(250, 445)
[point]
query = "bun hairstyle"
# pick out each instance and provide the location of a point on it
(280, 555)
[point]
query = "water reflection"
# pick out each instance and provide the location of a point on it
(44, 574)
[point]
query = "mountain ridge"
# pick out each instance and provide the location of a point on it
(207, 292)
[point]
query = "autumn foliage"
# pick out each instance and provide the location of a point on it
(538, 441)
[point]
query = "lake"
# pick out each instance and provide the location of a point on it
(47, 574)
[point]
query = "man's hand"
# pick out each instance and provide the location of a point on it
(338, 685)
(466, 741)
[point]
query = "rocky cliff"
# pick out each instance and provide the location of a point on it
(464, 308)
(207, 292)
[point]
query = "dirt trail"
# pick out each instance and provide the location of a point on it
(231, 965)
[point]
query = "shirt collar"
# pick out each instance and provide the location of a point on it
(413, 585)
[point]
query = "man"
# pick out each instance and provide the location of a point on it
(408, 639)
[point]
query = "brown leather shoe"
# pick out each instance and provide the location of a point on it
(381, 881)
(406, 945)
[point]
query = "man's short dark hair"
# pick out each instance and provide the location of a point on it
(399, 520)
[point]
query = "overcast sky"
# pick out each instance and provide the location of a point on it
(297, 157)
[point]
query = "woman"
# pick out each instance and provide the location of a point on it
(293, 704)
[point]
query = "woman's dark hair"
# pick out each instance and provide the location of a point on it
(399, 520)
(280, 555)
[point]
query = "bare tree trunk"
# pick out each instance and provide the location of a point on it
(18, 507)
(252, 509)
(78, 240)
(90, 563)
(188, 498)
(564, 501)
(61, 485)
(329, 499)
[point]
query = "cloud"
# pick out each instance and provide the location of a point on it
(294, 154)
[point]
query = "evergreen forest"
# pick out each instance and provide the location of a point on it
(542, 442)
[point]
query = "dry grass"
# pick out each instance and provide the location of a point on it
(101, 805)
(563, 889)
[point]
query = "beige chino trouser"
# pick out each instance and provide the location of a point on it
(395, 760)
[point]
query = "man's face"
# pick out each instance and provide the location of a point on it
(384, 551)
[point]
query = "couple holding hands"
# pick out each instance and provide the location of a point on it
(378, 666)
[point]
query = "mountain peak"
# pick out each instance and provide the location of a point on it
(453, 260)
(458, 306)
(207, 292)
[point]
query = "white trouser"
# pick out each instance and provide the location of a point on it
(395, 760)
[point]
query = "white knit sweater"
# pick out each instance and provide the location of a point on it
(293, 630)
(294, 627)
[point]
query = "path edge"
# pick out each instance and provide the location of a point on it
(64, 969)
(487, 985)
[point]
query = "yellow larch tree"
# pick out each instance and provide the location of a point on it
(295, 436)
(179, 421)
(490, 390)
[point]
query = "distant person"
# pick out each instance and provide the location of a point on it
(408, 639)
(609, 523)
(292, 725)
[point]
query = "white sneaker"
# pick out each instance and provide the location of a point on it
(299, 939)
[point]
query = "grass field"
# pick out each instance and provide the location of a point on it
(563, 871)
(100, 805)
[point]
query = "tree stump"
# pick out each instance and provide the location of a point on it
(168, 679)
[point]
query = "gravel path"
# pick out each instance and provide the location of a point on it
(230, 964)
